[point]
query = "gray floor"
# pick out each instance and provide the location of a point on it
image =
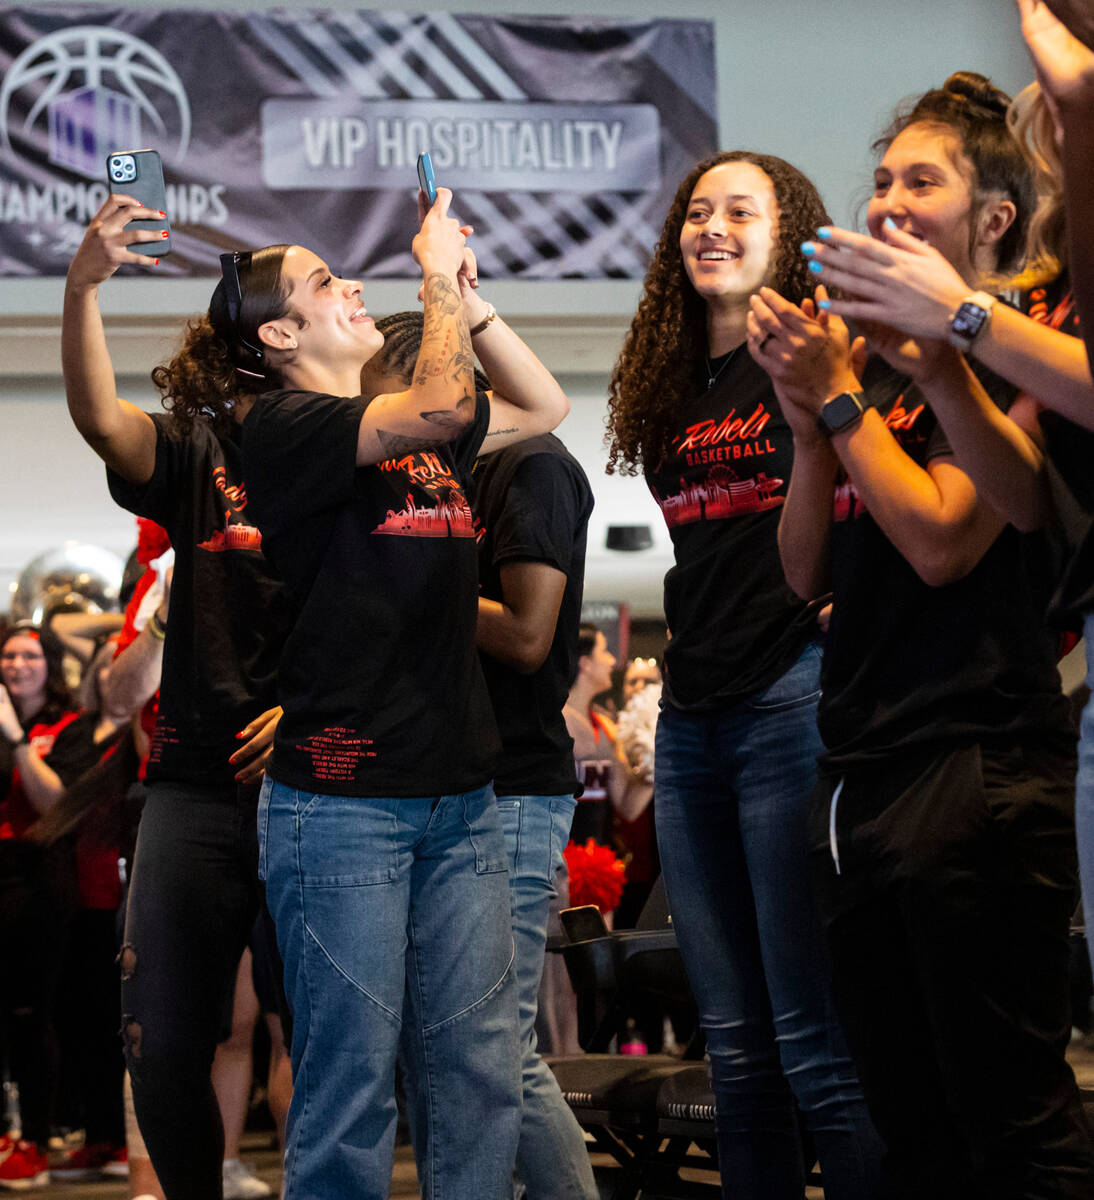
(262, 1154)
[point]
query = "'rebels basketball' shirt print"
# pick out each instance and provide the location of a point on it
(380, 679)
(908, 664)
(736, 625)
(227, 619)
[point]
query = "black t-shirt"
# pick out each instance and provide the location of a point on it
(908, 664)
(1069, 458)
(380, 680)
(532, 503)
(228, 619)
(736, 625)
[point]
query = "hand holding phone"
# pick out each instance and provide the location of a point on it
(139, 173)
(426, 179)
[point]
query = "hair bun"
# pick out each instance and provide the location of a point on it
(979, 90)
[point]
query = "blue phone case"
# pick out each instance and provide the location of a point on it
(426, 180)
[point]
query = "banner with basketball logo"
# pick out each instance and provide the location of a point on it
(562, 138)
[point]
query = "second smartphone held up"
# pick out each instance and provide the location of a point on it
(139, 173)
(426, 179)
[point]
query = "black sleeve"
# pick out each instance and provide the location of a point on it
(156, 499)
(300, 455)
(74, 749)
(545, 504)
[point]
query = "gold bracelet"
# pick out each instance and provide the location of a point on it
(491, 313)
(156, 627)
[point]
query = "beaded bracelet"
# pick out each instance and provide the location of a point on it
(491, 313)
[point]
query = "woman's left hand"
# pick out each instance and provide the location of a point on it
(809, 355)
(256, 750)
(901, 281)
(9, 718)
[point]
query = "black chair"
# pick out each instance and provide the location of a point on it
(653, 1114)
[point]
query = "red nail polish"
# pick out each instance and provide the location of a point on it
(162, 214)
(155, 262)
(165, 234)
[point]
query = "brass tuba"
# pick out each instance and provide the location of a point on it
(74, 577)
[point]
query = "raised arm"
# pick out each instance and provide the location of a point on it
(931, 514)
(525, 397)
(440, 402)
(134, 676)
(906, 284)
(1000, 452)
(121, 434)
(1060, 38)
(43, 786)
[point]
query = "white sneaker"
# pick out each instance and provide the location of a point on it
(241, 1183)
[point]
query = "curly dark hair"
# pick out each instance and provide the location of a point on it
(973, 108)
(655, 372)
(203, 381)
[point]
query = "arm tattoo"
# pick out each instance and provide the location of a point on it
(395, 445)
(500, 432)
(454, 419)
(446, 345)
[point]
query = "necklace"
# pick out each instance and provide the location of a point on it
(712, 375)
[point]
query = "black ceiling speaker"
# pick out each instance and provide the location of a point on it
(629, 537)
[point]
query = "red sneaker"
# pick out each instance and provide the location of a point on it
(85, 1162)
(24, 1168)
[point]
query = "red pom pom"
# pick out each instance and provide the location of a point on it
(152, 541)
(597, 875)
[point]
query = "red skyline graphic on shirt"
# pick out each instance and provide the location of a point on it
(233, 537)
(722, 495)
(449, 517)
(235, 533)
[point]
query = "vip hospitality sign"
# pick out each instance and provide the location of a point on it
(562, 138)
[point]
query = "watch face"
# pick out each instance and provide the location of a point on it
(968, 320)
(841, 411)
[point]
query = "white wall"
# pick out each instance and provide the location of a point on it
(808, 80)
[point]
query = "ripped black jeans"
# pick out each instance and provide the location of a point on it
(193, 896)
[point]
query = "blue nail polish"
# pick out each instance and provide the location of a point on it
(824, 303)
(816, 267)
(809, 248)
(890, 223)
(824, 232)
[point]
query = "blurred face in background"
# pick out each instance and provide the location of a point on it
(23, 672)
(640, 673)
(597, 665)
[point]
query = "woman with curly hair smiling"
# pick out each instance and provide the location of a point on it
(737, 740)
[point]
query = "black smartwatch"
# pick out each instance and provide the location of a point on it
(970, 319)
(840, 413)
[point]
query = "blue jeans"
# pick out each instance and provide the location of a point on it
(732, 791)
(393, 920)
(552, 1161)
(1084, 793)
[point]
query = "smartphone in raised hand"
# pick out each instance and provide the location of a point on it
(426, 179)
(139, 173)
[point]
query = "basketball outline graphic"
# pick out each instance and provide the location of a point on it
(87, 122)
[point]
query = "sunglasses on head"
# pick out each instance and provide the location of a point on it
(233, 297)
